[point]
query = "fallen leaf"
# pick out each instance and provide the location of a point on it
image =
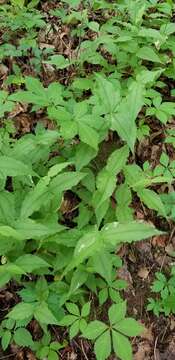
(172, 323)
(144, 351)
(124, 274)
(169, 249)
(159, 240)
(148, 334)
(143, 273)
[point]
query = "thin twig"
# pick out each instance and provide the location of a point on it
(155, 346)
(82, 347)
(7, 356)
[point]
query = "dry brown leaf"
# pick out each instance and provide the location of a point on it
(143, 273)
(159, 240)
(18, 109)
(124, 274)
(169, 249)
(172, 323)
(148, 334)
(144, 351)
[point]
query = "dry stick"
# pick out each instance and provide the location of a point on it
(155, 345)
(164, 333)
(7, 356)
(82, 347)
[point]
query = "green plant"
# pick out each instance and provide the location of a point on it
(165, 290)
(67, 195)
(113, 336)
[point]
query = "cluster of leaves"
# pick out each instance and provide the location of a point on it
(165, 290)
(58, 264)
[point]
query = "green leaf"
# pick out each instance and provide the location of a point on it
(86, 246)
(66, 181)
(148, 53)
(94, 329)
(123, 121)
(88, 135)
(59, 61)
(78, 279)
(52, 355)
(29, 229)
(146, 76)
(152, 200)
(82, 325)
(102, 346)
(129, 327)
(73, 309)
(103, 265)
(104, 91)
(12, 167)
(22, 337)
(117, 160)
(5, 340)
(55, 169)
(35, 198)
(7, 207)
(29, 263)
(67, 320)
(44, 315)
(21, 311)
(8, 231)
(122, 346)
(117, 312)
(86, 309)
(168, 28)
(116, 233)
(74, 329)
(106, 179)
(4, 279)
(103, 296)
